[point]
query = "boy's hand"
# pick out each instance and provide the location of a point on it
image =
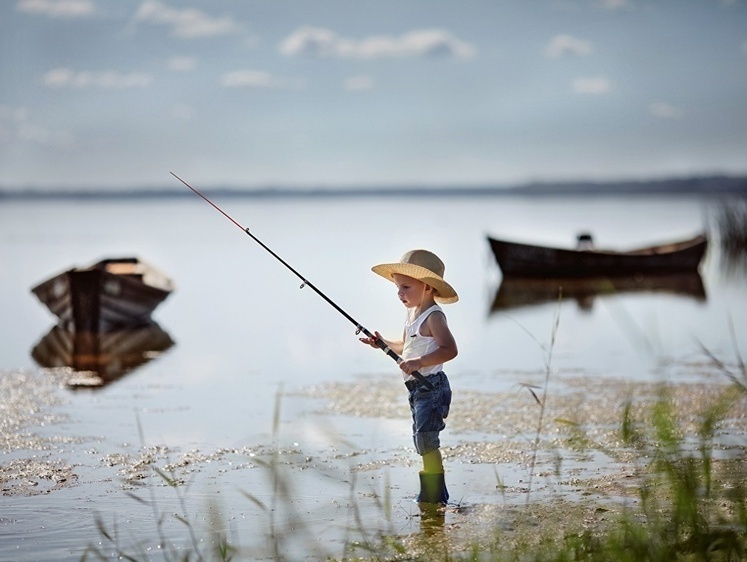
(371, 340)
(411, 365)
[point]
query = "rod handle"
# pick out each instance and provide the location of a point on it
(386, 349)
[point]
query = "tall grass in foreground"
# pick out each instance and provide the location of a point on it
(730, 223)
(692, 507)
(690, 504)
(542, 401)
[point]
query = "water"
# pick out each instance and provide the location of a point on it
(244, 333)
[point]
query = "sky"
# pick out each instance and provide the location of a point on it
(112, 94)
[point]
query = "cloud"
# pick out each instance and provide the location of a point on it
(188, 23)
(15, 125)
(57, 8)
(37, 134)
(323, 43)
(592, 85)
(8, 117)
(182, 112)
(182, 64)
(664, 110)
(257, 79)
(359, 83)
(107, 80)
(566, 45)
(615, 4)
(247, 78)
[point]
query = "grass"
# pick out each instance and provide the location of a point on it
(542, 400)
(730, 218)
(731, 221)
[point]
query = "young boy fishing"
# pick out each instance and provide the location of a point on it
(426, 344)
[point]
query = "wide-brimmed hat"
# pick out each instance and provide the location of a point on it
(424, 266)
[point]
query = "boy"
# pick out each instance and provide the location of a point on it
(427, 343)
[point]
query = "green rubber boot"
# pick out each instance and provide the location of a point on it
(433, 489)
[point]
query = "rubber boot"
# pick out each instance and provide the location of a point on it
(433, 489)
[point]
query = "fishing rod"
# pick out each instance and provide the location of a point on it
(306, 283)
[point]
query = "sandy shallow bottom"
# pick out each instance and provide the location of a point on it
(63, 493)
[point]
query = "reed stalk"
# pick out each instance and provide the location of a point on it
(542, 401)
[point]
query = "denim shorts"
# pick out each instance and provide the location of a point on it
(429, 410)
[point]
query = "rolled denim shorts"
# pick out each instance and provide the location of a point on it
(429, 410)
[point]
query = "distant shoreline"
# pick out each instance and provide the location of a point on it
(706, 186)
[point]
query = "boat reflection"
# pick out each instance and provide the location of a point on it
(516, 292)
(100, 358)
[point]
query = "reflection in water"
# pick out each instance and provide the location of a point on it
(515, 292)
(432, 519)
(99, 359)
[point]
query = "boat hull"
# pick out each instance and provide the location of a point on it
(526, 260)
(107, 296)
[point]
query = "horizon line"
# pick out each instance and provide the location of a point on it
(703, 184)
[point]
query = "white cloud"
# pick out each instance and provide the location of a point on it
(37, 134)
(182, 112)
(57, 8)
(566, 45)
(323, 43)
(107, 80)
(182, 64)
(257, 79)
(15, 125)
(188, 23)
(664, 110)
(615, 4)
(592, 85)
(12, 113)
(247, 78)
(359, 83)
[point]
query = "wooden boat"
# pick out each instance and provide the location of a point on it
(525, 260)
(515, 292)
(98, 359)
(106, 296)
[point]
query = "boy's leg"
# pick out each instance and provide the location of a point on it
(433, 463)
(432, 479)
(429, 410)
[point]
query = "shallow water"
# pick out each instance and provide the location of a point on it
(249, 346)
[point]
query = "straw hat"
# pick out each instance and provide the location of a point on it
(423, 266)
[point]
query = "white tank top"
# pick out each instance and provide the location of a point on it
(416, 344)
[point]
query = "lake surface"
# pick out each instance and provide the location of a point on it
(244, 334)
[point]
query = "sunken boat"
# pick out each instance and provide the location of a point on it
(530, 261)
(106, 296)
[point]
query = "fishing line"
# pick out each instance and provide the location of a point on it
(306, 283)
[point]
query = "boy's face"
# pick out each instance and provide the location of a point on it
(409, 290)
